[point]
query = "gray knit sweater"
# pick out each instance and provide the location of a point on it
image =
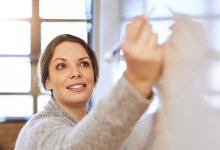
(106, 127)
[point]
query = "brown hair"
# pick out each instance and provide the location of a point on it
(49, 51)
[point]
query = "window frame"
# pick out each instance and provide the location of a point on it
(35, 33)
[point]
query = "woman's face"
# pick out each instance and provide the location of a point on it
(71, 76)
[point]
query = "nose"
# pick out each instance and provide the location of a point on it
(75, 72)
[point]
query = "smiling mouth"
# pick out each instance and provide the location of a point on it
(76, 86)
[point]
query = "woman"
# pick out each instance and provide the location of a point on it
(69, 70)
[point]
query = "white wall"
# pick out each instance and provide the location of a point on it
(105, 30)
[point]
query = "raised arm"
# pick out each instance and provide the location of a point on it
(143, 55)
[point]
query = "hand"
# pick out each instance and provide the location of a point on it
(142, 54)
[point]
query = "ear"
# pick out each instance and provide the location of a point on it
(47, 84)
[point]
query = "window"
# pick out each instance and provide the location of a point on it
(26, 27)
(161, 20)
(16, 76)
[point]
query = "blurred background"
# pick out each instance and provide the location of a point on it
(26, 26)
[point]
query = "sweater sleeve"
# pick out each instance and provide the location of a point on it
(106, 127)
(111, 121)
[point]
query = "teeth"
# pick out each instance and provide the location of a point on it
(76, 86)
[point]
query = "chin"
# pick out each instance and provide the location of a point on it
(78, 99)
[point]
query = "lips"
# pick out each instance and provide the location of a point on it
(77, 87)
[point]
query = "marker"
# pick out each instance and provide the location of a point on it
(113, 52)
(115, 49)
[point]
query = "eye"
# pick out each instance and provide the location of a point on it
(84, 64)
(60, 66)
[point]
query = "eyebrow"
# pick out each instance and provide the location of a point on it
(63, 59)
(84, 58)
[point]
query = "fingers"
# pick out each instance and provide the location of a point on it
(142, 54)
(145, 33)
(139, 31)
(146, 37)
(151, 41)
(134, 29)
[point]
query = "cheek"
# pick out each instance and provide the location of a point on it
(58, 79)
(90, 76)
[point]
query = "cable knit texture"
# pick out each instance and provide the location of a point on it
(106, 127)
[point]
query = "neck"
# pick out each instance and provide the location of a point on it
(76, 111)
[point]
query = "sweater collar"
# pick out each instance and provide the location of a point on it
(54, 107)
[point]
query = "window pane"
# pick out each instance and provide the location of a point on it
(50, 30)
(15, 75)
(132, 8)
(62, 9)
(191, 7)
(16, 105)
(15, 37)
(15, 8)
(42, 100)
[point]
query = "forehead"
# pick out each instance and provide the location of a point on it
(70, 49)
